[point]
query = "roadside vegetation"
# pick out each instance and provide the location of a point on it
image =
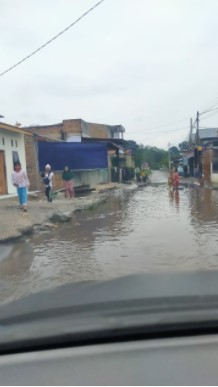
(156, 158)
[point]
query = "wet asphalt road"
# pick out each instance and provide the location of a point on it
(135, 231)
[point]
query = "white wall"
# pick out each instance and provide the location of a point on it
(74, 138)
(8, 148)
(214, 178)
(92, 177)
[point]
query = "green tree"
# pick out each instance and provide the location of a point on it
(155, 157)
(183, 146)
(165, 161)
(174, 151)
(131, 145)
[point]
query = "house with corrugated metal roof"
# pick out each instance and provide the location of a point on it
(201, 154)
(120, 162)
(207, 134)
(206, 153)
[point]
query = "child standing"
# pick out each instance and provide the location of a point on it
(21, 182)
(68, 177)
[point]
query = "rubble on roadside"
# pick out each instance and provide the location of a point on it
(43, 216)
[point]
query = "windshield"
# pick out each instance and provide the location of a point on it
(108, 142)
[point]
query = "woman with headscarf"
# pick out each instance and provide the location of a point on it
(48, 181)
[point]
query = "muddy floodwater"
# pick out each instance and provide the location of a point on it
(134, 231)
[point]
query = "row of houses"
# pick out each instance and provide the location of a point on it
(96, 152)
(201, 154)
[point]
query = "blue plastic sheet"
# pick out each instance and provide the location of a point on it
(75, 155)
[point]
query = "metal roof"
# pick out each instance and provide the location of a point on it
(208, 133)
(117, 141)
(13, 128)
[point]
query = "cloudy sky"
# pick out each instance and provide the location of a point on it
(146, 64)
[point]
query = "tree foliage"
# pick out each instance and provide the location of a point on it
(183, 146)
(155, 157)
(174, 153)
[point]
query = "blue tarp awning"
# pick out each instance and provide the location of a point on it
(75, 155)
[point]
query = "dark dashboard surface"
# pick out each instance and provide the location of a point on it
(137, 330)
(184, 361)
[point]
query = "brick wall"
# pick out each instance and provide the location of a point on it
(59, 131)
(58, 182)
(32, 162)
(206, 161)
(72, 127)
(69, 127)
(52, 131)
(98, 131)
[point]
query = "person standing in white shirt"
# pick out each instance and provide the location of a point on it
(21, 182)
(48, 180)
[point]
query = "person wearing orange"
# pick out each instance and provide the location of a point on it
(170, 179)
(175, 178)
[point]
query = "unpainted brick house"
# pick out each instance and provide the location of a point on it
(77, 129)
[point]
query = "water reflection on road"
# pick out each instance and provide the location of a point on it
(147, 230)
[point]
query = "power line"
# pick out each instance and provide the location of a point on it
(209, 110)
(52, 39)
(170, 123)
(164, 132)
(162, 126)
(160, 133)
(214, 103)
(210, 115)
(212, 109)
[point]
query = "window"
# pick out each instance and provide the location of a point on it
(3, 141)
(15, 157)
(16, 143)
(12, 142)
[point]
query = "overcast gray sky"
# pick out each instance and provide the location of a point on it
(139, 63)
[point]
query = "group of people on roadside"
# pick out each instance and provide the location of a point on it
(141, 175)
(20, 180)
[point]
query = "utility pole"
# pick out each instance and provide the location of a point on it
(197, 121)
(191, 127)
(169, 155)
(190, 133)
(190, 146)
(198, 139)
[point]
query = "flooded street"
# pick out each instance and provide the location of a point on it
(135, 231)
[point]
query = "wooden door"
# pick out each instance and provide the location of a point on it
(3, 185)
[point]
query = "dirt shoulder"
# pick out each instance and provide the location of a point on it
(42, 215)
